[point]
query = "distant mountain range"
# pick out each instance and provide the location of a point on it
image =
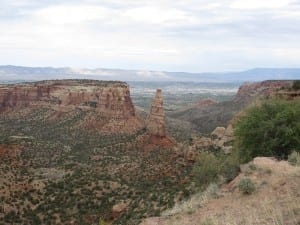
(11, 73)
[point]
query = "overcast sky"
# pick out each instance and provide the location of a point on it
(169, 35)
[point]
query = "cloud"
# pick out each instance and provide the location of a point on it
(152, 75)
(169, 35)
(155, 15)
(258, 4)
(72, 14)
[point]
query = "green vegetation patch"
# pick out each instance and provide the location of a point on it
(269, 129)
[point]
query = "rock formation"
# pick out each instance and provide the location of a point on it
(220, 138)
(109, 102)
(264, 88)
(118, 209)
(156, 124)
(110, 98)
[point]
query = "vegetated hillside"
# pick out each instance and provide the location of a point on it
(207, 118)
(265, 192)
(75, 152)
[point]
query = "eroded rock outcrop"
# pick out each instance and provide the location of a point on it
(264, 88)
(220, 138)
(118, 209)
(156, 124)
(111, 98)
(14, 96)
(109, 102)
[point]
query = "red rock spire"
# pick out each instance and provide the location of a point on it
(156, 123)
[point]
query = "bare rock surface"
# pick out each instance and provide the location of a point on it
(118, 209)
(156, 123)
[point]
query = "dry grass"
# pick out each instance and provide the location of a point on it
(196, 201)
(275, 202)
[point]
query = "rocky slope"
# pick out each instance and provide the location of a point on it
(75, 152)
(275, 201)
(208, 117)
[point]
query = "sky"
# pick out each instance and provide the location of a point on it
(162, 35)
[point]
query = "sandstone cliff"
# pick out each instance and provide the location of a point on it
(265, 88)
(110, 102)
(111, 98)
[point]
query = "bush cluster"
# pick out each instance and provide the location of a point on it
(246, 186)
(270, 129)
(294, 158)
(210, 167)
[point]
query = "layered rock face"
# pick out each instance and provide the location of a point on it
(156, 122)
(22, 95)
(110, 98)
(266, 88)
(104, 106)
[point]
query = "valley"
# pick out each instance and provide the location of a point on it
(104, 152)
(75, 159)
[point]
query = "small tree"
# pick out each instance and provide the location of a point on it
(246, 186)
(271, 129)
(206, 170)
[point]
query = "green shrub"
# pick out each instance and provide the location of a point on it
(270, 129)
(246, 186)
(206, 170)
(208, 221)
(230, 168)
(102, 222)
(212, 190)
(294, 158)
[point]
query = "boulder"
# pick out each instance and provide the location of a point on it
(218, 132)
(118, 209)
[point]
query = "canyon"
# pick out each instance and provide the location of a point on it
(206, 117)
(80, 152)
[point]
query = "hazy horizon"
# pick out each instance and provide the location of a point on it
(143, 69)
(10, 72)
